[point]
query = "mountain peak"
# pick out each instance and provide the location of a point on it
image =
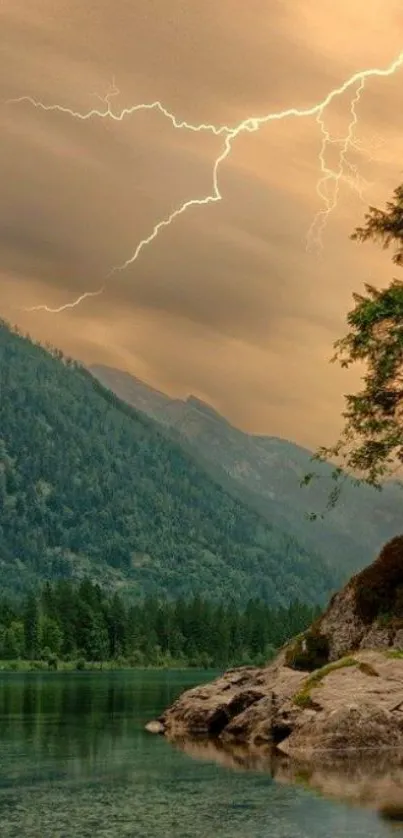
(207, 409)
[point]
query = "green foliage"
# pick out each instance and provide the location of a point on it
(308, 652)
(89, 486)
(371, 444)
(385, 226)
(155, 632)
(249, 467)
(31, 627)
(13, 640)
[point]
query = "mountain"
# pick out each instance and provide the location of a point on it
(265, 473)
(91, 487)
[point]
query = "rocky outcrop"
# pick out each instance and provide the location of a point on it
(338, 687)
(207, 710)
(355, 703)
(368, 612)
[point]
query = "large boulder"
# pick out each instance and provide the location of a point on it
(351, 727)
(354, 703)
(207, 710)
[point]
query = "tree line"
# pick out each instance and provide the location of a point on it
(66, 622)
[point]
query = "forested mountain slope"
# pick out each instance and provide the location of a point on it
(89, 486)
(265, 473)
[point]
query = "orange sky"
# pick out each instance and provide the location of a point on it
(226, 303)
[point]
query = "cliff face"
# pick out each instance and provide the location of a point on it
(337, 687)
(368, 612)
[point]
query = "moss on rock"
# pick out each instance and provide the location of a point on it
(308, 652)
(303, 697)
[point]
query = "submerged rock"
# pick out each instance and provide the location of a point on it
(155, 727)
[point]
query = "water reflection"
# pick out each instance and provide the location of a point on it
(76, 761)
(364, 778)
(76, 723)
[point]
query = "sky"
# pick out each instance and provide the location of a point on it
(227, 302)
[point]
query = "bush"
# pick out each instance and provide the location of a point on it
(80, 664)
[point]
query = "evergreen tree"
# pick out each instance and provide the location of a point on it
(89, 625)
(90, 486)
(31, 627)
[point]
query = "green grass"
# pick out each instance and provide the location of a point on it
(303, 697)
(395, 653)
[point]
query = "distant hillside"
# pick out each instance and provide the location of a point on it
(265, 473)
(90, 486)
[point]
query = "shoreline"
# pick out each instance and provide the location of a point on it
(41, 667)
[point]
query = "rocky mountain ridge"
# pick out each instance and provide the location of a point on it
(265, 473)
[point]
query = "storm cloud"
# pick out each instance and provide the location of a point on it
(226, 303)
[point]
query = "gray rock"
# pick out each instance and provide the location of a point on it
(345, 709)
(155, 727)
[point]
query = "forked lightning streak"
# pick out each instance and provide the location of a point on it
(328, 186)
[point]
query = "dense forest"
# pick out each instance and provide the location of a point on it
(90, 487)
(79, 622)
(265, 473)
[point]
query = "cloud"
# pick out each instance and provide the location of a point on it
(226, 303)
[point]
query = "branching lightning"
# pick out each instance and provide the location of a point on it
(193, 202)
(67, 305)
(328, 186)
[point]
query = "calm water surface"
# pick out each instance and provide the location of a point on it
(76, 762)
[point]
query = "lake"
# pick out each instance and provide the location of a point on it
(77, 763)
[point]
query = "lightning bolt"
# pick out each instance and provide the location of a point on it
(66, 305)
(356, 82)
(193, 202)
(124, 112)
(333, 177)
